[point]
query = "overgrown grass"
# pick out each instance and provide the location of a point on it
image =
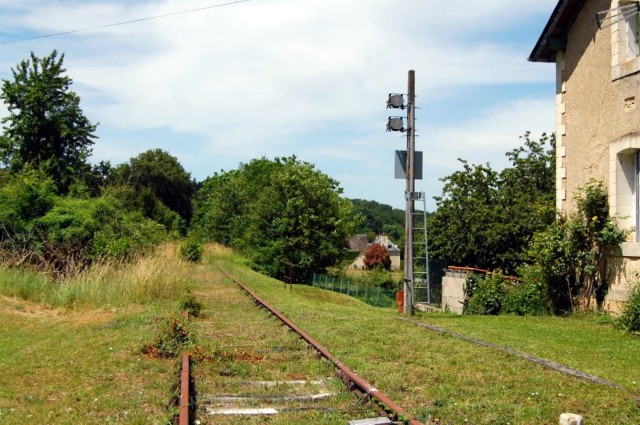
(241, 343)
(63, 366)
(72, 351)
(157, 277)
(438, 376)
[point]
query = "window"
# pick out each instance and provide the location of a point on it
(636, 204)
(624, 184)
(631, 26)
(625, 39)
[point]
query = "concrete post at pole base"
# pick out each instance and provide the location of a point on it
(571, 419)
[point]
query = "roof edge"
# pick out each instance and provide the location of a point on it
(553, 37)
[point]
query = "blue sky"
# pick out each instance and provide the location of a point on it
(299, 77)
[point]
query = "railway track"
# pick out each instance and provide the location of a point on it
(251, 369)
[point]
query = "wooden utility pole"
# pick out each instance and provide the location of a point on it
(410, 189)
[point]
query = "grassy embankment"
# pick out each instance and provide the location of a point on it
(70, 352)
(82, 364)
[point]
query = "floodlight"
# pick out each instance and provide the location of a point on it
(395, 124)
(395, 101)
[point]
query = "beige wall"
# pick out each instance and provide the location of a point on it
(453, 291)
(598, 128)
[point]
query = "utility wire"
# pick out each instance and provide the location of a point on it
(124, 22)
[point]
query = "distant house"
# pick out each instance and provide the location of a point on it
(597, 63)
(360, 243)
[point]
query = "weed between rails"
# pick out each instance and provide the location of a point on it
(172, 341)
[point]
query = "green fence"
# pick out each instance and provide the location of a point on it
(371, 295)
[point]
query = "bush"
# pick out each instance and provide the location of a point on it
(171, 341)
(529, 298)
(192, 305)
(382, 279)
(76, 232)
(630, 319)
(23, 198)
(484, 295)
(572, 253)
(191, 250)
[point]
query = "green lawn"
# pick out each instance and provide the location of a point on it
(586, 343)
(437, 376)
(61, 367)
(83, 366)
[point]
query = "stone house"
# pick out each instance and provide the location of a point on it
(360, 243)
(597, 65)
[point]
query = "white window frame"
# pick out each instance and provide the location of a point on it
(625, 43)
(624, 189)
(636, 206)
(631, 29)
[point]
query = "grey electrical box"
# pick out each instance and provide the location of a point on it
(401, 165)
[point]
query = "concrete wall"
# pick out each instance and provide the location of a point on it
(453, 291)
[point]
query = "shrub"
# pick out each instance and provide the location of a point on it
(76, 232)
(379, 278)
(485, 295)
(572, 253)
(23, 198)
(192, 305)
(630, 319)
(191, 250)
(529, 298)
(171, 341)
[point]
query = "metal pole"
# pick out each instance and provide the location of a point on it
(408, 245)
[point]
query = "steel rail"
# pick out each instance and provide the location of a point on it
(365, 387)
(184, 386)
(184, 391)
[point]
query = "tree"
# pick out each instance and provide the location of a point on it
(155, 174)
(277, 211)
(376, 218)
(377, 255)
(46, 127)
(486, 218)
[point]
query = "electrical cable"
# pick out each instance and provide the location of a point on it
(124, 22)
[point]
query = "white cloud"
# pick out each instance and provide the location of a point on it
(264, 77)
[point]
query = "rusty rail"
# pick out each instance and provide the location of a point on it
(346, 373)
(184, 386)
(184, 391)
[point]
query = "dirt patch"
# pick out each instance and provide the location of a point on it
(28, 310)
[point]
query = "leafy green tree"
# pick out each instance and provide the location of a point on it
(23, 198)
(221, 209)
(375, 218)
(162, 175)
(46, 128)
(277, 211)
(486, 218)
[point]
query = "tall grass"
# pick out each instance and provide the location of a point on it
(155, 277)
